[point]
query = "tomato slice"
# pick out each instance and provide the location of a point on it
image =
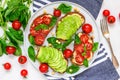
(79, 58)
(88, 55)
(79, 48)
(39, 40)
(84, 38)
(89, 46)
(38, 21)
(46, 19)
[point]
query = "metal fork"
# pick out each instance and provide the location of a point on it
(105, 32)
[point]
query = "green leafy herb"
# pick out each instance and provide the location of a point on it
(65, 8)
(83, 54)
(3, 44)
(41, 26)
(65, 44)
(72, 69)
(1, 53)
(52, 40)
(31, 39)
(18, 51)
(95, 47)
(31, 53)
(14, 10)
(17, 34)
(53, 21)
(85, 62)
(77, 39)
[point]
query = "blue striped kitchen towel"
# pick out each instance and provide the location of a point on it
(102, 68)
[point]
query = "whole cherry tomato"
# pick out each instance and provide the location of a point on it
(43, 67)
(16, 25)
(7, 66)
(10, 49)
(67, 53)
(111, 19)
(57, 13)
(22, 59)
(87, 28)
(106, 12)
(24, 72)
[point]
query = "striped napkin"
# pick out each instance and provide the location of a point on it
(102, 67)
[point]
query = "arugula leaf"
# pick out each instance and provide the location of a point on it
(31, 53)
(53, 21)
(77, 39)
(31, 39)
(85, 62)
(65, 8)
(72, 69)
(41, 26)
(95, 46)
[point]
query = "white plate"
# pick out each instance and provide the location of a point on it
(49, 8)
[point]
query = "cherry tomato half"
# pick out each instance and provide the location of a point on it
(22, 59)
(106, 12)
(79, 48)
(43, 68)
(10, 49)
(57, 13)
(79, 58)
(87, 28)
(46, 20)
(38, 21)
(67, 53)
(111, 19)
(24, 72)
(89, 46)
(88, 55)
(7, 66)
(16, 25)
(39, 39)
(84, 38)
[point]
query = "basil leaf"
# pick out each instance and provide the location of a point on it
(65, 44)
(31, 53)
(1, 52)
(31, 39)
(41, 26)
(17, 34)
(52, 40)
(53, 21)
(95, 46)
(65, 8)
(85, 62)
(77, 39)
(18, 51)
(72, 69)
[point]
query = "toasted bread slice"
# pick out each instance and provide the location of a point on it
(69, 24)
(78, 57)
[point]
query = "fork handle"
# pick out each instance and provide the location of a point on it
(114, 60)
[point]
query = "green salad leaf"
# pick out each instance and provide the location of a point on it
(1, 52)
(65, 8)
(72, 69)
(77, 39)
(18, 51)
(95, 46)
(85, 63)
(41, 26)
(31, 53)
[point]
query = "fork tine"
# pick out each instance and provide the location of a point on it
(106, 25)
(102, 26)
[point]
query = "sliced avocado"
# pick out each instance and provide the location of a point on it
(53, 57)
(68, 25)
